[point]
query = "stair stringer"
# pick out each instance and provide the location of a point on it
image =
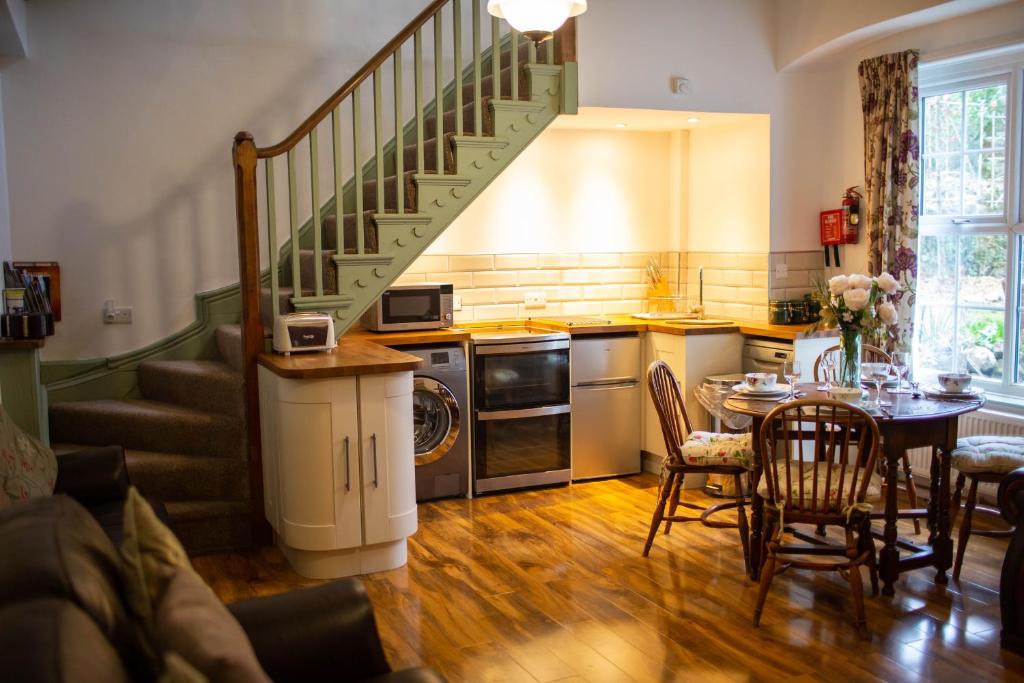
(441, 198)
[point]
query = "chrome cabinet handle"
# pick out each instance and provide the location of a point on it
(373, 446)
(348, 468)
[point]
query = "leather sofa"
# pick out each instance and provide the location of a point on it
(63, 616)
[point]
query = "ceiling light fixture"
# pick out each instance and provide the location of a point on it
(693, 119)
(536, 19)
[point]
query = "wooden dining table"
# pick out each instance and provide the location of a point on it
(908, 423)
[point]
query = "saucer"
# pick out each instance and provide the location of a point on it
(777, 390)
(935, 391)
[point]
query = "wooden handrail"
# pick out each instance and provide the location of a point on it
(351, 84)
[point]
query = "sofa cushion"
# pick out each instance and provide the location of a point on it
(28, 469)
(728, 450)
(53, 548)
(180, 614)
(998, 454)
(191, 621)
(50, 639)
(147, 546)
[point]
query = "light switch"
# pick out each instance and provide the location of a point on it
(535, 300)
(781, 270)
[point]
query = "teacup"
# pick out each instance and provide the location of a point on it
(761, 381)
(954, 382)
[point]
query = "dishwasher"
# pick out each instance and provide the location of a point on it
(765, 355)
(605, 398)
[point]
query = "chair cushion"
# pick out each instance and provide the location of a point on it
(999, 454)
(874, 491)
(28, 469)
(711, 449)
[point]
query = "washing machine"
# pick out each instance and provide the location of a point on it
(441, 424)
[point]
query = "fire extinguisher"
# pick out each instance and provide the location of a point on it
(851, 215)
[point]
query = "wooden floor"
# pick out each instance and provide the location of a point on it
(550, 586)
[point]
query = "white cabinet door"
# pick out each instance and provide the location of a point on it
(386, 441)
(306, 475)
(345, 450)
(669, 348)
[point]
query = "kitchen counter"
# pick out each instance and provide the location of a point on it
(349, 358)
(452, 335)
(620, 323)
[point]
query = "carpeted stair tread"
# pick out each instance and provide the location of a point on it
(390, 198)
(229, 345)
(487, 91)
(148, 426)
(430, 155)
(206, 385)
(430, 124)
(174, 477)
(210, 526)
(330, 233)
(307, 259)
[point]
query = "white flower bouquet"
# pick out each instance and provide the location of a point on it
(857, 305)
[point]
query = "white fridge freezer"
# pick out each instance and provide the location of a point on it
(605, 396)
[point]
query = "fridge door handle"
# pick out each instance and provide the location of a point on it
(604, 386)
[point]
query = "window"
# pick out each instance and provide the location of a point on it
(971, 247)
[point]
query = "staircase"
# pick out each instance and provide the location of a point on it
(184, 421)
(184, 442)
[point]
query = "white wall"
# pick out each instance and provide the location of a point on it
(119, 130)
(726, 49)
(729, 187)
(576, 191)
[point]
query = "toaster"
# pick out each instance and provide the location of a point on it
(295, 332)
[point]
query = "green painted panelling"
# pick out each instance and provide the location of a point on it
(115, 377)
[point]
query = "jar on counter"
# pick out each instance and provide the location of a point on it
(778, 312)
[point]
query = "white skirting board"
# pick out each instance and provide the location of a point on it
(981, 422)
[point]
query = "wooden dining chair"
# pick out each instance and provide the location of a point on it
(691, 452)
(873, 354)
(818, 468)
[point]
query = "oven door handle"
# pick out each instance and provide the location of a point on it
(543, 411)
(483, 349)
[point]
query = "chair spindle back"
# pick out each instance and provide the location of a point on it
(668, 401)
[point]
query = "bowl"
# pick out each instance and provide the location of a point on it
(847, 394)
(761, 380)
(954, 382)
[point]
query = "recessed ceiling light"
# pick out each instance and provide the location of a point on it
(693, 119)
(620, 125)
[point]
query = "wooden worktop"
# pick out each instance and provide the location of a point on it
(350, 357)
(451, 335)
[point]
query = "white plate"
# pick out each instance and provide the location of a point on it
(939, 392)
(777, 390)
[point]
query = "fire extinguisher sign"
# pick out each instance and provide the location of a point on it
(832, 227)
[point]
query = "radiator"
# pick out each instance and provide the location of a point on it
(978, 423)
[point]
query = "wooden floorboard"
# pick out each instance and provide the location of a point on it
(549, 585)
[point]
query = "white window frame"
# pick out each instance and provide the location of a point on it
(966, 72)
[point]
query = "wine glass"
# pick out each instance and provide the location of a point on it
(791, 371)
(828, 373)
(879, 374)
(901, 364)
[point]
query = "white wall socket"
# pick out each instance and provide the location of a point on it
(456, 302)
(535, 300)
(116, 315)
(781, 270)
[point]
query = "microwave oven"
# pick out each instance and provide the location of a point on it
(421, 306)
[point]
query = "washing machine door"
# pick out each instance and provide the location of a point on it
(436, 420)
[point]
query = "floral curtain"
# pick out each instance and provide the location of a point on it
(888, 87)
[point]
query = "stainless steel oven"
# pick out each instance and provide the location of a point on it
(422, 306)
(521, 419)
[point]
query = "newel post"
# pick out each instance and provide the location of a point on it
(565, 42)
(244, 156)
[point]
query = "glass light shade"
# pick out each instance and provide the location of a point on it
(536, 16)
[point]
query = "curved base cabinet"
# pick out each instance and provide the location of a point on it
(339, 471)
(334, 564)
